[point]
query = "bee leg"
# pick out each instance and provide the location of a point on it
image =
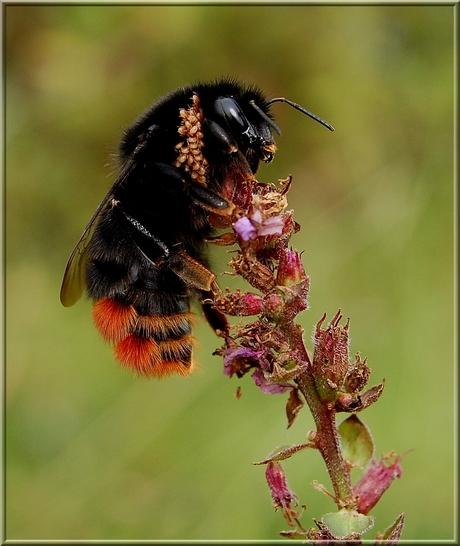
(197, 276)
(199, 194)
(209, 199)
(216, 319)
(225, 140)
(193, 273)
(229, 146)
(153, 248)
(173, 172)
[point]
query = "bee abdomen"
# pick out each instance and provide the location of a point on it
(154, 345)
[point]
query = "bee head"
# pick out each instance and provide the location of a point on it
(251, 131)
(252, 127)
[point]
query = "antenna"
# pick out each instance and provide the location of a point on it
(303, 110)
(265, 117)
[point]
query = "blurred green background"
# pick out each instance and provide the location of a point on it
(95, 453)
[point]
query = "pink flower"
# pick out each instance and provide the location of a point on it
(271, 226)
(238, 360)
(253, 226)
(269, 387)
(245, 228)
(281, 494)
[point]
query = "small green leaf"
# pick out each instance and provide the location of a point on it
(357, 443)
(345, 522)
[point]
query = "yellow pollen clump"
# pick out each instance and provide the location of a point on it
(190, 157)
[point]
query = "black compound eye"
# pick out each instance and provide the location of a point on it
(230, 111)
(228, 108)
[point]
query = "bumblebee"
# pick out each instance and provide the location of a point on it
(142, 255)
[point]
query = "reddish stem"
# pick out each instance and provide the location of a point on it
(327, 439)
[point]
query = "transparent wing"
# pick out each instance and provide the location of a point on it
(74, 281)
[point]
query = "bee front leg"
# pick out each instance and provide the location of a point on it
(225, 140)
(199, 195)
(210, 200)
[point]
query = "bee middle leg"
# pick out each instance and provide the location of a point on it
(153, 248)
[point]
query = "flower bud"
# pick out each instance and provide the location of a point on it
(290, 268)
(273, 305)
(331, 356)
(240, 305)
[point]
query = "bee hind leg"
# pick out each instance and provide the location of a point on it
(216, 319)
